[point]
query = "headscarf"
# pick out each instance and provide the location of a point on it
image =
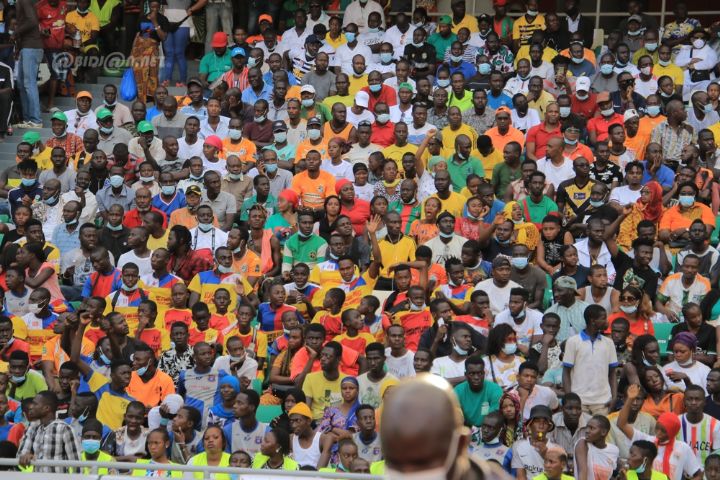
(350, 418)
(653, 209)
(527, 233)
(671, 424)
(232, 381)
(289, 196)
(685, 338)
(507, 437)
(340, 184)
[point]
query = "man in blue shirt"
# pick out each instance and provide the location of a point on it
(653, 168)
(29, 189)
(259, 90)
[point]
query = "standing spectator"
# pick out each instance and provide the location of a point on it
(152, 30)
(30, 47)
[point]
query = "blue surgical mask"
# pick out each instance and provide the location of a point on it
(106, 130)
(52, 201)
(418, 45)
(164, 421)
(708, 108)
(259, 119)
(17, 379)
(386, 57)
(251, 62)
(28, 182)
(628, 309)
(503, 242)
(313, 133)
(308, 102)
(460, 351)
(104, 359)
(383, 118)
(484, 68)
(687, 200)
(596, 203)
(205, 227)
(564, 112)
(445, 235)
(71, 222)
(519, 262)
(373, 30)
(235, 134)
(90, 446)
(142, 371)
(224, 269)
(375, 88)
(653, 110)
(83, 416)
(509, 348)
(147, 179)
(651, 47)
(571, 142)
(606, 69)
(641, 469)
(235, 176)
(280, 137)
(350, 37)
(443, 82)
(168, 189)
(116, 181)
(578, 60)
(271, 167)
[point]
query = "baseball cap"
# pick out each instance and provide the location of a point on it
(84, 94)
(238, 51)
(445, 20)
(103, 113)
(214, 141)
(566, 282)
(603, 97)
(301, 408)
(59, 116)
(583, 83)
(312, 38)
(195, 81)
(265, 18)
(484, 17)
(503, 109)
(406, 86)
(362, 99)
(279, 126)
(308, 89)
(314, 121)
(500, 3)
(31, 137)
(145, 127)
(219, 40)
(194, 189)
(500, 262)
(635, 18)
(630, 113)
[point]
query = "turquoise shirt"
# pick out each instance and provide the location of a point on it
(475, 405)
(214, 66)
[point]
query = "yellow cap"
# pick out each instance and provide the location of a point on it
(301, 409)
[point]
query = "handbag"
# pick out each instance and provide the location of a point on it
(173, 26)
(128, 86)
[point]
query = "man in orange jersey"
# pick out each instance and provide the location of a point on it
(313, 185)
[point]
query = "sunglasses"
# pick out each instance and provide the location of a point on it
(628, 299)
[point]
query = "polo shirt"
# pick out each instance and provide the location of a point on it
(475, 405)
(535, 212)
(673, 219)
(590, 360)
(392, 253)
(111, 404)
(386, 95)
(541, 103)
(459, 171)
(672, 71)
(499, 140)
(600, 125)
(449, 135)
(539, 134)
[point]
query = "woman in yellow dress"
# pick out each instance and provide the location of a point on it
(525, 232)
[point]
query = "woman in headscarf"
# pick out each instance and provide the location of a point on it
(341, 420)
(525, 233)
(283, 222)
(685, 370)
(512, 414)
(224, 410)
(648, 207)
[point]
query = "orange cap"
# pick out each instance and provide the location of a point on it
(84, 93)
(503, 109)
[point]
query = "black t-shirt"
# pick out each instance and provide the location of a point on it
(445, 347)
(706, 337)
(624, 268)
(494, 249)
(422, 57)
(611, 172)
(712, 408)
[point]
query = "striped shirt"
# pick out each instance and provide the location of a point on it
(673, 141)
(703, 437)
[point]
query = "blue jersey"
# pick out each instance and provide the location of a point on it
(177, 202)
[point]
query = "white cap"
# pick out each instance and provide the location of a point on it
(631, 113)
(583, 83)
(307, 88)
(362, 99)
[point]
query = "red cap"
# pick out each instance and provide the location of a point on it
(290, 196)
(341, 183)
(499, 3)
(214, 141)
(219, 40)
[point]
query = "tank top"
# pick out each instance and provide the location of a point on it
(604, 301)
(306, 456)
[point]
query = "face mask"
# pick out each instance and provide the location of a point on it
(606, 69)
(205, 227)
(235, 134)
(445, 235)
(313, 133)
(641, 469)
(142, 371)
(235, 176)
(651, 47)
(350, 36)
(665, 95)
(373, 30)
(104, 359)
(272, 167)
(167, 189)
(687, 200)
(571, 142)
(251, 62)
(443, 82)
(83, 416)
(646, 70)
(383, 118)
(375, 88)
(532, 13)
(71, 222)
(363, 1)
(484, 68)
(83, 12)
(90, 446)
(653, 110)
(259, 119)
(280, 137)
(308, 102)
(114, 228)
(28, 182)
(304, 236)
(386, 57)
(224, 269)
(164, 422)
(635, 33)
(509, 349)
(35, 308)
(708, 108)
(456, 58)
(564, 112)
(147, 179)
(242, 357)
(116, 181)
(459, 350)
(519, 262)
(51, 201)
(698, 43)
(417, 308)
(439, 473)
(128, 289)
(607, 113)
(106, 130)
(418, 45)
(60, 135)
(686, 364)
(503, 242)
(17, 380)
(578, 60)
(664, 63)
(628, 310)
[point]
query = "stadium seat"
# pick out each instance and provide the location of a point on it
(662, 333)
(715, 236)
(256, 385)
(265, 413)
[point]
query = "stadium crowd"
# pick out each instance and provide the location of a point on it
(249, 274)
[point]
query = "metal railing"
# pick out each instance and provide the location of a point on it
(244, 473)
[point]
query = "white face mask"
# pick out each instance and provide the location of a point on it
(437, 473)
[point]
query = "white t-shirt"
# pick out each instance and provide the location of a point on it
(624, 196)
(446, 367)
(358, 154)
(417, 135)
(499, 296)
(682, 458)
(355, 119)
(401, 367)
(213, 239)
(186, 151)
(344, 55)
(526, 457)
(554, 174)
(540, 395)
(531, 324)
(344, 170)
(601, 461)
(247, 369)
(398, 39)
(697, 373)
(397, 115)
(142, 263)
(525, 123)
(504, 374)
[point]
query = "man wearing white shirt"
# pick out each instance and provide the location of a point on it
(345, 53)
(400, 34)
(525, 321)
(358, 112)
(532, 393)
(556, 167)
(520, 82)
(629, 193)
(386, 63)
(595, 242)
(190, 145)
(359, 10)
(205, 235)
(498, 287)
(82, 117)
(82, 182)
(373, 36)
(418, 129)
(294, 38)
(316, 16)
(523, 117)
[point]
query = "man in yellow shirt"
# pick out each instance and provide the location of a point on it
(342, 95)
(665, 66)
(401, 146)
(359, 77)
(394, 248)
(456, 127)
(42, 158)
(460, 19)
(451, 202)
(524, 26)
(87, 23)
(489, 156)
